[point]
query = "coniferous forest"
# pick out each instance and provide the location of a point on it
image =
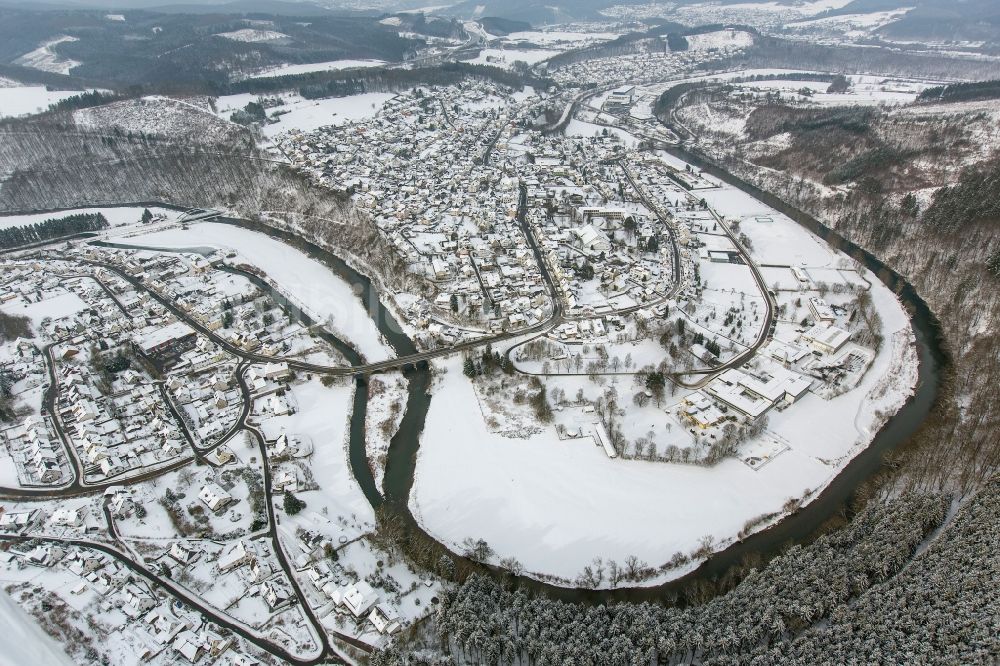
(56, 227)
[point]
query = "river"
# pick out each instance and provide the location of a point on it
(797, 527)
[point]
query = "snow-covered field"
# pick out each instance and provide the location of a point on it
(254, 36)
(116, 217)
(25, 100)
(556, 504)
(310, 284)
(63, 305)
(46, 59)
(305, 115)
(507, 57)
(851, 25)
(720, 39)
(864, 90)
(583, 128)
(329, 65)
(562, 38)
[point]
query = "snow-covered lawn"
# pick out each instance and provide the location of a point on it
(386, 407)
(25, 100)
(307, 282)
(64, 305)
(329, 65)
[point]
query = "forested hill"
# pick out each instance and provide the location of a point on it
(962, 92)
(178, 52)
(975, 199)
(853, 596)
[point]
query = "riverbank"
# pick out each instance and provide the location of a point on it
(799, 526)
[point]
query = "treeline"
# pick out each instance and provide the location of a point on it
(792, 76)
(775, 52)
(671, 96)
(769, 120)
(14, 326)
(85, 100)
(961, 92)
(973, 200)
(485, 622)
(941, 609)
(350, 82)
(53, 166)
(58, 227)
(32, 76)
(634, 42)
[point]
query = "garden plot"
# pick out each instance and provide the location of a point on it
(731, 305)
(548, 356)
(52, 306)
(589, 293)
(232, 594)
(171, 507)
(33, 645)
(585, 129)
(9, 475)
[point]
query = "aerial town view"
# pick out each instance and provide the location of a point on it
(359, 332)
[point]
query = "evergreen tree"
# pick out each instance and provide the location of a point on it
(293, 504)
